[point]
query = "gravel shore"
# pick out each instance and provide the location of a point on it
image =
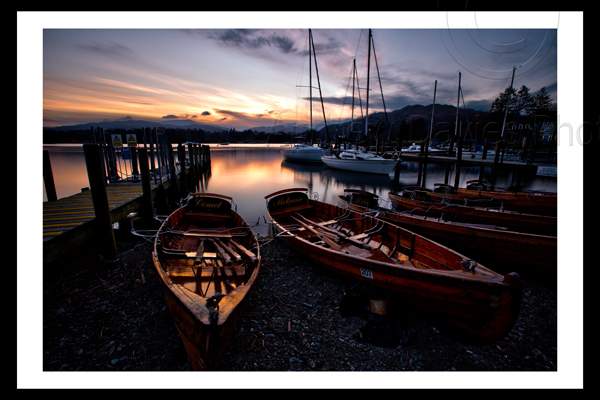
(110, 315)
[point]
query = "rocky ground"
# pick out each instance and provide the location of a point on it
(110, 315)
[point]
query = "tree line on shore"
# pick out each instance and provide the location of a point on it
(527, 113)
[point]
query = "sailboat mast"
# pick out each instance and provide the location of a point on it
(432, 107)
(353, 76)
(508, 101)
(381, 89)
(310, 81)
(368, 76)
(457, 106)
(320, 93)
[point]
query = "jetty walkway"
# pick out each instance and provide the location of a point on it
(89, 215)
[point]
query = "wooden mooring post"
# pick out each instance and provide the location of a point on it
(457, 165)
(182, 170)
(147, 208)
(49, 178)
(104, 228)
(486, 144)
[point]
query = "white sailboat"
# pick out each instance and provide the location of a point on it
(307, 152)
(358, 160)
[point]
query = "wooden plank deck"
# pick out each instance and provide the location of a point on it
(72, 211)
(68, 222)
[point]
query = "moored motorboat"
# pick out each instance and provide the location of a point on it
(303, 153)
(495, 247)
(425, 274)
(207, 258)
(416, 149)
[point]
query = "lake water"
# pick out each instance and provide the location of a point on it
(249, 172)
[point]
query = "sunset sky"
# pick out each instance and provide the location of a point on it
(242, 70)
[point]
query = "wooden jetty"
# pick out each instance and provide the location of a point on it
(77, 219)
(70, 221)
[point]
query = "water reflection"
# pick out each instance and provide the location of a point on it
(250, 173)
(68, 168)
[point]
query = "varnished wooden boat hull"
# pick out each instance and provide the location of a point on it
(512, 220)
(188, 288)
(531, 202)
(447, 194)
(425, 274)
(498, 249)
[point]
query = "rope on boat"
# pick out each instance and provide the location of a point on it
(212, 304)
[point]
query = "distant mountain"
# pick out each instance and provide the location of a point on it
(418, 114)
(291, 127)
(136, 124)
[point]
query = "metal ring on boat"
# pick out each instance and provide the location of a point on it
(469, 265)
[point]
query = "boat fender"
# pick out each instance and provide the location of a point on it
(469, 265)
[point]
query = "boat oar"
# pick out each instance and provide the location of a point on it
(245, 251)
(234, 254)
(340, 235)
(222, 253)
(323, 237)
(199, 252)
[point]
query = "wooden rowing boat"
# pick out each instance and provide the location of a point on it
(531, 202)
(422, 203)
(425, 274)
(207, 258)
(447, 194)
(493, 246)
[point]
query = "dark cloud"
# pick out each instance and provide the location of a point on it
(241, 38)
(240, 115)
(244, 118)
(205, 113)
(109, 49)
(284, 44)
(253, 39)
(182, 116)
(280, 39)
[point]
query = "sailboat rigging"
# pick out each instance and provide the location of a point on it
(357, 160)
(307, 152)
(416, 148)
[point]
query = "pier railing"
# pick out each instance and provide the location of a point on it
(120, 161)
